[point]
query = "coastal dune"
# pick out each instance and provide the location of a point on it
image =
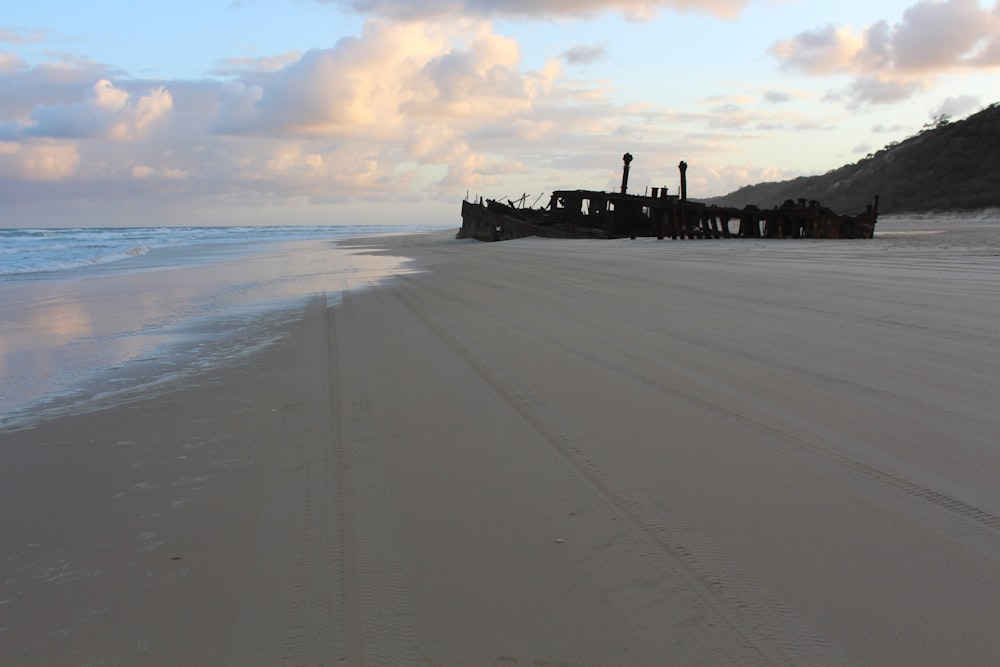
(546, 452)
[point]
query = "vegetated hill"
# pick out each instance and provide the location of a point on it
(948, 166)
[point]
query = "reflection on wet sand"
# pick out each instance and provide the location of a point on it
(55, 332)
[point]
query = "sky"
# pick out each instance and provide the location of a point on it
(392, 111)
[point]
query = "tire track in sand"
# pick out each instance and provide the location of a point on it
(291, 611)
(748, 625)
(378, 622)
(326, 585)
(963, 521)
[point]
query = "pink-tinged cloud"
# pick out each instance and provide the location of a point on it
(237, 66)
(893, 61)
(16, 37)
(24, 88)
(422, 89)
(945, 35)
(729, 178)
(632, 9)
(11, 62)
(475, 171)
(359, 84)
(404, 110)
(105, 112)
(38, 160)
(825, 50)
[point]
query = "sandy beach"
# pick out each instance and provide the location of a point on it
(545, 452)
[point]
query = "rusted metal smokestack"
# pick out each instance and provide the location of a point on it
(683, 166)
(627, 158)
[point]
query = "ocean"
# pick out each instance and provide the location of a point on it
(47, 252)
(89, 316)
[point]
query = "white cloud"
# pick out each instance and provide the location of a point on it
(236, 111)
(823, 50)
(361, 83)
(937, 36)
(38, 161)
(402, 111)
(474, 171)
(418, 91)
(436, 144)
(879, 90)
(483, 83)
(238, 66)
(11, 62)
(893, 61)
(729, 178)
(295, 161)
(24, 88)
(142, 171)
(957, 106)
(105, 113)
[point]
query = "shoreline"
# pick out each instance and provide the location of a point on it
(537, 451)
(79, 334)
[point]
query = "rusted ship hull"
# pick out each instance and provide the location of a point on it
(493, 221)
(604, 215)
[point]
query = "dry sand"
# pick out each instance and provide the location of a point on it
(546, 453)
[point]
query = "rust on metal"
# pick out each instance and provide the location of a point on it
(609, 215)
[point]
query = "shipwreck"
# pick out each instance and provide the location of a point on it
(592, 214)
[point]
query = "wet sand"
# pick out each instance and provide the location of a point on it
(546, 453)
